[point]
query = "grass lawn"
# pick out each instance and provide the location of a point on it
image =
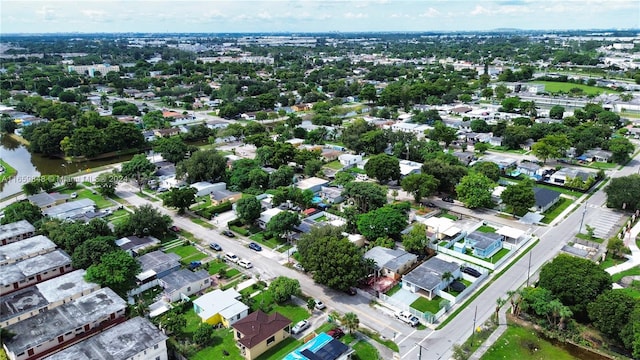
(365, 351)
(292, 312)
(193, 322)
(499, 255)
(562, 190)
(587, 237)
(187, 253)
(423, 305)
(271, 243)
(100, 201)
(280, 350)
(486, 229)
(611, 261)
(394, 290)
(223, 341)
(524, 344)
(284, 248)
(232, 272)
(347, 339)
(202, 223)
(8, 172)
(335, 165)
(215, 266)
(603, 165)
(633, 292)
(449, 216)
(556, 209)
(630, 272)
(325, 327)
(564, 87)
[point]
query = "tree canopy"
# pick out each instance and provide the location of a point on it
(474, 190)
(383, 168)
(381, 222)
(207, 165)
(248, 209)
(624, 192)
(366, 196)
(420, 185)
(282, 288)
(519, 197)
(145, 220)
(22, 210)
(180, 198)
(283, 223)
(138, 168)
(116, 270)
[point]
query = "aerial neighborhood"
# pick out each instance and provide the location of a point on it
(320, 196)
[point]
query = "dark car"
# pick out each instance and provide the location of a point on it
(228, 233)
(174, 228)
(351, 291)
(448, 199)
(215, 247)
(471, 271)
(194, 265)
(254, 246)
(336, 333)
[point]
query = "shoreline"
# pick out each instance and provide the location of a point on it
(9, 172)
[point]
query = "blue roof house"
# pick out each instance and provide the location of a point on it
(484, 245)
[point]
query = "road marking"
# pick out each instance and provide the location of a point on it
(416, 345)
(408, 336)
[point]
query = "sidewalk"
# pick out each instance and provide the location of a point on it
(634, 258)
(502, 327)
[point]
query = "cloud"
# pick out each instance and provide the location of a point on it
(351, 15)
(94, 15)
(500, 10)
(47, 13)
(430, 13)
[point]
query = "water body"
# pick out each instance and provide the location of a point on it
(31, 165)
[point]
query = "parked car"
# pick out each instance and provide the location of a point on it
(408, 318)
(231, 257)
(471, 271)
(228, 233)
(298, 267)
(194, 265)
(448, 199)
(255, 246)
(215, 246)
(245, 264)
(320, 305)
(300, 327)
(351, 291)
(174, 228)
(336, 333)
(74, 195)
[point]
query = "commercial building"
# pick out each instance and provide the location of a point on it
(136, 339)
(33, 270)
(65, 325)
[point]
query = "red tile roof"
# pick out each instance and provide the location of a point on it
(258, 326)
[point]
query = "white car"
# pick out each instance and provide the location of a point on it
(319, 305)
(408, 318)
(300, 327)
(231, 257)
(245, 264)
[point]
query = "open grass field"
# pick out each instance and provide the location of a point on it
(564, 87)
(524, 344)
(223, 341)
(292, 312)
(486, 229)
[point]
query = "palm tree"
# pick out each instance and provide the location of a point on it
(446, 277)
(515, 299)
(499, 303)
(351, 321)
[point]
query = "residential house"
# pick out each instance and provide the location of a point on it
(332, 195)
(204, 188)
(441, 228)
(154, 266)
(530, 169)
(301, 107)
(349, 160)
(25, 249)
(70, 209)
(465, 157)
(408, 167)
(31, 271)
(313, 183)
(259, 332)
(248, 116)
(392, 263)
(28, 302)
(495, 141)
(266, 216)
(220, 196)
(64, 325)
(527, 145)
(322, 347)
(183, 283)
(484, 245)
(220, 307)
(136, 338)
(417, 129)
(329, 155)
(45, 200)
(460, 110)
(427, 278)
(561, 176)
(545, 198)
(503, 162)
(16, 231)
(596, 155)
(134, 244)
(163, 133)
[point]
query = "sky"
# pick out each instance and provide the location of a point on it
(221, 16)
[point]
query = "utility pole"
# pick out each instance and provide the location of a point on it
(420, 351)
(584, 212)
(473, 331)
(529, 268)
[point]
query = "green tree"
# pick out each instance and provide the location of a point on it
(116, 270)
(610, 312)
(312, 167)
(448, 171)
(145, 220)
(138, 168)
(331, 258)
(488, 169)
(172, 149)
(383, 168)
(556, 112)
(443, 133)
(620, 148)
(576, 282)
(420, 185)
(631, 332)
(623, 192)
(248, 209)
(543, 150)
(311, 304)
(351, 321)
(207, 165)
(173, 322)
(282, 288)
(481, 147)
(384, 221)
(203, 335)
(180, 198)
(91, 251)
(283, 223)
(369, 93)
(447, 276)
(365, 196)
(106, 183)
(22, 210)
(415, 241)
(616, 247)
(474, 190)
(343, 178)
(8, 126)
(519, 197)
(281, 177)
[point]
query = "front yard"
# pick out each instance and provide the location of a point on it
(423, 304)
(264, 301)
(188, 253)
(556, 210)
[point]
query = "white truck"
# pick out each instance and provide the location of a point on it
(408, 318)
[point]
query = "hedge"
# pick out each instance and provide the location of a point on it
(210, 211)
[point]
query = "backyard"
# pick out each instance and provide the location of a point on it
(524, 344)
(265, 301)
(188, 253)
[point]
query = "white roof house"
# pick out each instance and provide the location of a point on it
(225, 303)
(205, 188)
(266, 216)
(408, 167)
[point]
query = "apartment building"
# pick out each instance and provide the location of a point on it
(31, 271)
(16, 231)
